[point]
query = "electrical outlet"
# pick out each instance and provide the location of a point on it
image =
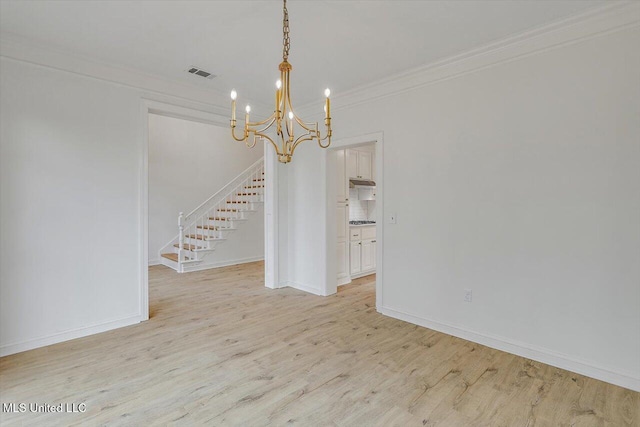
(393, 218)
(468, 295)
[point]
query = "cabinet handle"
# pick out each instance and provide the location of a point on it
(373, 241)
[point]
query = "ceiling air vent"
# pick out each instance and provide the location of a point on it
(200, 72)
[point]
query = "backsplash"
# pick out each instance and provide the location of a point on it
(361, 210)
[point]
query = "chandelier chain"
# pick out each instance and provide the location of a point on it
(285, 33)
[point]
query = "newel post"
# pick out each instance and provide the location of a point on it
(180, 236)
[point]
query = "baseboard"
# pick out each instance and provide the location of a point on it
(366, 273)
(304, 288)
(207, 266)
(8, 349)
(344, 281)
(538, 354)
(155, 262)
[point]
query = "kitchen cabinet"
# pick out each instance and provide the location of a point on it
(358, 164)
(342, 183)
(368, 255)
(364, 165)
(342, 218)
(362, 250)
(354, 257)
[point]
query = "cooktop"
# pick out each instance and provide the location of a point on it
(361, 222)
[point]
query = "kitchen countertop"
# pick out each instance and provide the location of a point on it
(362, 225)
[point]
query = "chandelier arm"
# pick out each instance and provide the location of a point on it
(249, 144)
(233, 134)
(322, 139)
(269, 120)
(275, 146)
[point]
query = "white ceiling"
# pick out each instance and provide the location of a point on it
(339, 44)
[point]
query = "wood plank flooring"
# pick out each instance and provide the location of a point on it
(222, 350)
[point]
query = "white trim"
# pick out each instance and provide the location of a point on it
(344, 281)
(19, 347)
(540, 354)
(191, 114)
(330, 240)
(574, 29)
(149, 106)
(271, 220)
(187, 268)
(143, 208)
(301, 287)
(152, 86)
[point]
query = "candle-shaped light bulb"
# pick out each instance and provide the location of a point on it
(234, 95)
(327, 104)
(278, 86)
(290, 115)
(248, 109)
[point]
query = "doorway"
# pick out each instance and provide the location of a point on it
(355, 198)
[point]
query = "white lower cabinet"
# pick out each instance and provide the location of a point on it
(368, 255)
(362, 251)
(354, 257)
(342, 249)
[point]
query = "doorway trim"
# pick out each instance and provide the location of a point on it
(331, 283)
(150, 106)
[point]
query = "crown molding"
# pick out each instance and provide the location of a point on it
(592, 23)
(150, 86)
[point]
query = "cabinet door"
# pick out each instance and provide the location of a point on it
(354, 257)
(364, 164)
(352, 164)
(342, 218)
(341, 177)
(367, 255)
(375, 254)
(343, 258)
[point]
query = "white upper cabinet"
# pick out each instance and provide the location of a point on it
(341, 177)
(352, 164)
(359, 164)
(364, 165)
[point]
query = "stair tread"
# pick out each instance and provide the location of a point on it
(254, 186)
(173, 257)
(249, 194)
(187, 246)
(201, 237)
(259, 179)
(208, 227)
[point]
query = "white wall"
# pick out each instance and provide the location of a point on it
(70, 159)
(528, 174)
(189, 162)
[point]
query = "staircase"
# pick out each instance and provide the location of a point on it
(213, 222)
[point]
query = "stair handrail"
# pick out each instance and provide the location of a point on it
(184, 220)
(240, 175)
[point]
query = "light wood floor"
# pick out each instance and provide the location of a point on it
(220, 349)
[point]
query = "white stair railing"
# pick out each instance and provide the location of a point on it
(201, 228)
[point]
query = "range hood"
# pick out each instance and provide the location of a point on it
(353, 183)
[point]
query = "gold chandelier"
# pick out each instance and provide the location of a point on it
(284, 145)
